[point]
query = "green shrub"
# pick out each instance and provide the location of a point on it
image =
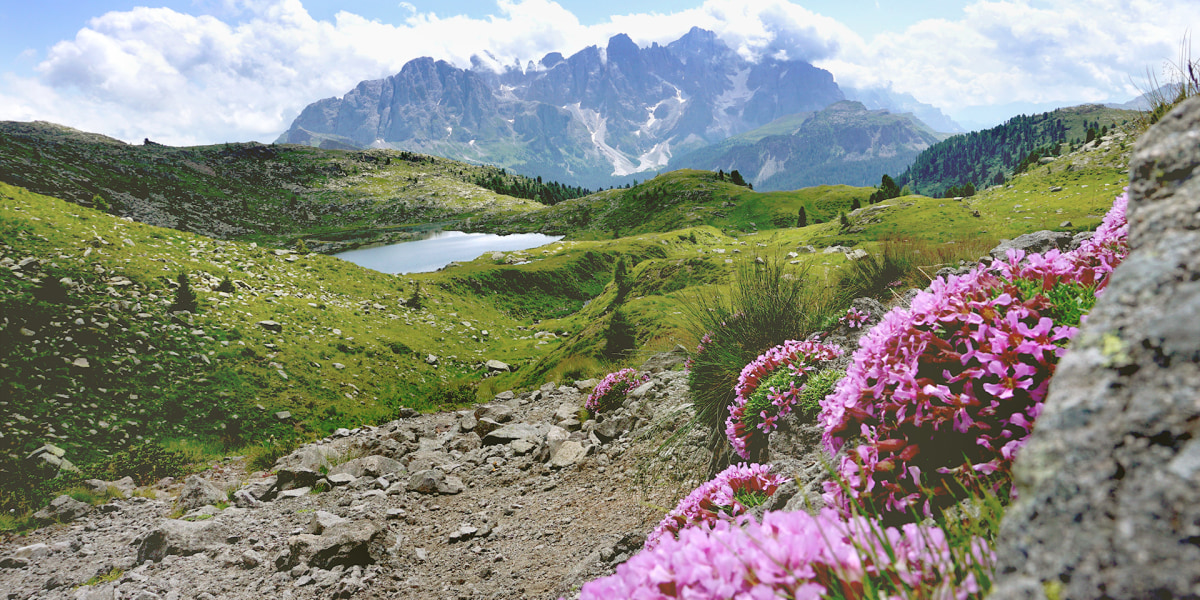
(146, 463)
(768, 304)
(262, 456)
(453, 394)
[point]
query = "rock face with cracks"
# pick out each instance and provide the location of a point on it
(1110, 479)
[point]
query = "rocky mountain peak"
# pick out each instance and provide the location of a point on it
(602, 114)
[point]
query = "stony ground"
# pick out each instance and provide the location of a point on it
(513, 499)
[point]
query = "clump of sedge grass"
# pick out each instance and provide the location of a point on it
(767, 304)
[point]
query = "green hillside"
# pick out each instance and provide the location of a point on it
(991, 156)
(253, 192)
(677, 200)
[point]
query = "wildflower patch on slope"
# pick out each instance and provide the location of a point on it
(944, 393)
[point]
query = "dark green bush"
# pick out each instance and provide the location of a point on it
(146, 463)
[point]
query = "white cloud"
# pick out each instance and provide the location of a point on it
(181, 79)
(1022, 51)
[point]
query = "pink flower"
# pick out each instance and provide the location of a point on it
(717, 499)
(965, 369)
(611, 391)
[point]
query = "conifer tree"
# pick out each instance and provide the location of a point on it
(414, 301)
(622, 279)
(620, 337)
(736, 178)
(801, 218)
(185, 298)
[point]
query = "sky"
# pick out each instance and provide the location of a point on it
(187, 72)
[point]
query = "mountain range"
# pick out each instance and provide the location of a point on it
(844, 143)
(601, 117)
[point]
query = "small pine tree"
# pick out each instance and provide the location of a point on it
(736, 178)
(855, 204)
(414, 301)
(801, 218)
(301, 247)
(620, 337)
(720, 175)
(185, 298)
(622, 279)
(225, 286)
(843, 220)
(99, 203)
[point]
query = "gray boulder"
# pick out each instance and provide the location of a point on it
(368, 466)
(508, 433)
(483, 427)
(499, 413)
(181, 538)
(568, 453)
(293, 478)
(495, 366)
(613, 427)
(1110, 479)
(62, 509)
(271, 325)
(425, 460)
(466, 442)
(433, 481)
(1038, 241)
(198, 491)
(50, 460)
(347, 544)
(323, 520)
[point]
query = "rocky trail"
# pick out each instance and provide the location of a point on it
(512, 499)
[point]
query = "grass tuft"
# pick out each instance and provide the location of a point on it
(769, 303)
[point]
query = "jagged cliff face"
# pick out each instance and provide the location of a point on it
(598, 117)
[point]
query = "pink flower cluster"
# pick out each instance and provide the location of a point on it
(801, 359)
(720, 498)
(793, 555)
(854, 318)
(611, 391)
(945, 392)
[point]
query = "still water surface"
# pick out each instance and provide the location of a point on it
(440, 249)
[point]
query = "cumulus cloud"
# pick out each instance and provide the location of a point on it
(1026, 51)
(245, 73)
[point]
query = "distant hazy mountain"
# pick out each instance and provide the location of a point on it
(895, 102)
(1143, 102)
(843, 143)
(600, 117)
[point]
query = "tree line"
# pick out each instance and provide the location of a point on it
(519, 186)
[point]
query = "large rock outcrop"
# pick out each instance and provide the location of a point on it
(1110, 479)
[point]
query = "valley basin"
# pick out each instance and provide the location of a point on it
(441, 248)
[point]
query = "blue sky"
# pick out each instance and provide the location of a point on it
(206, 71)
